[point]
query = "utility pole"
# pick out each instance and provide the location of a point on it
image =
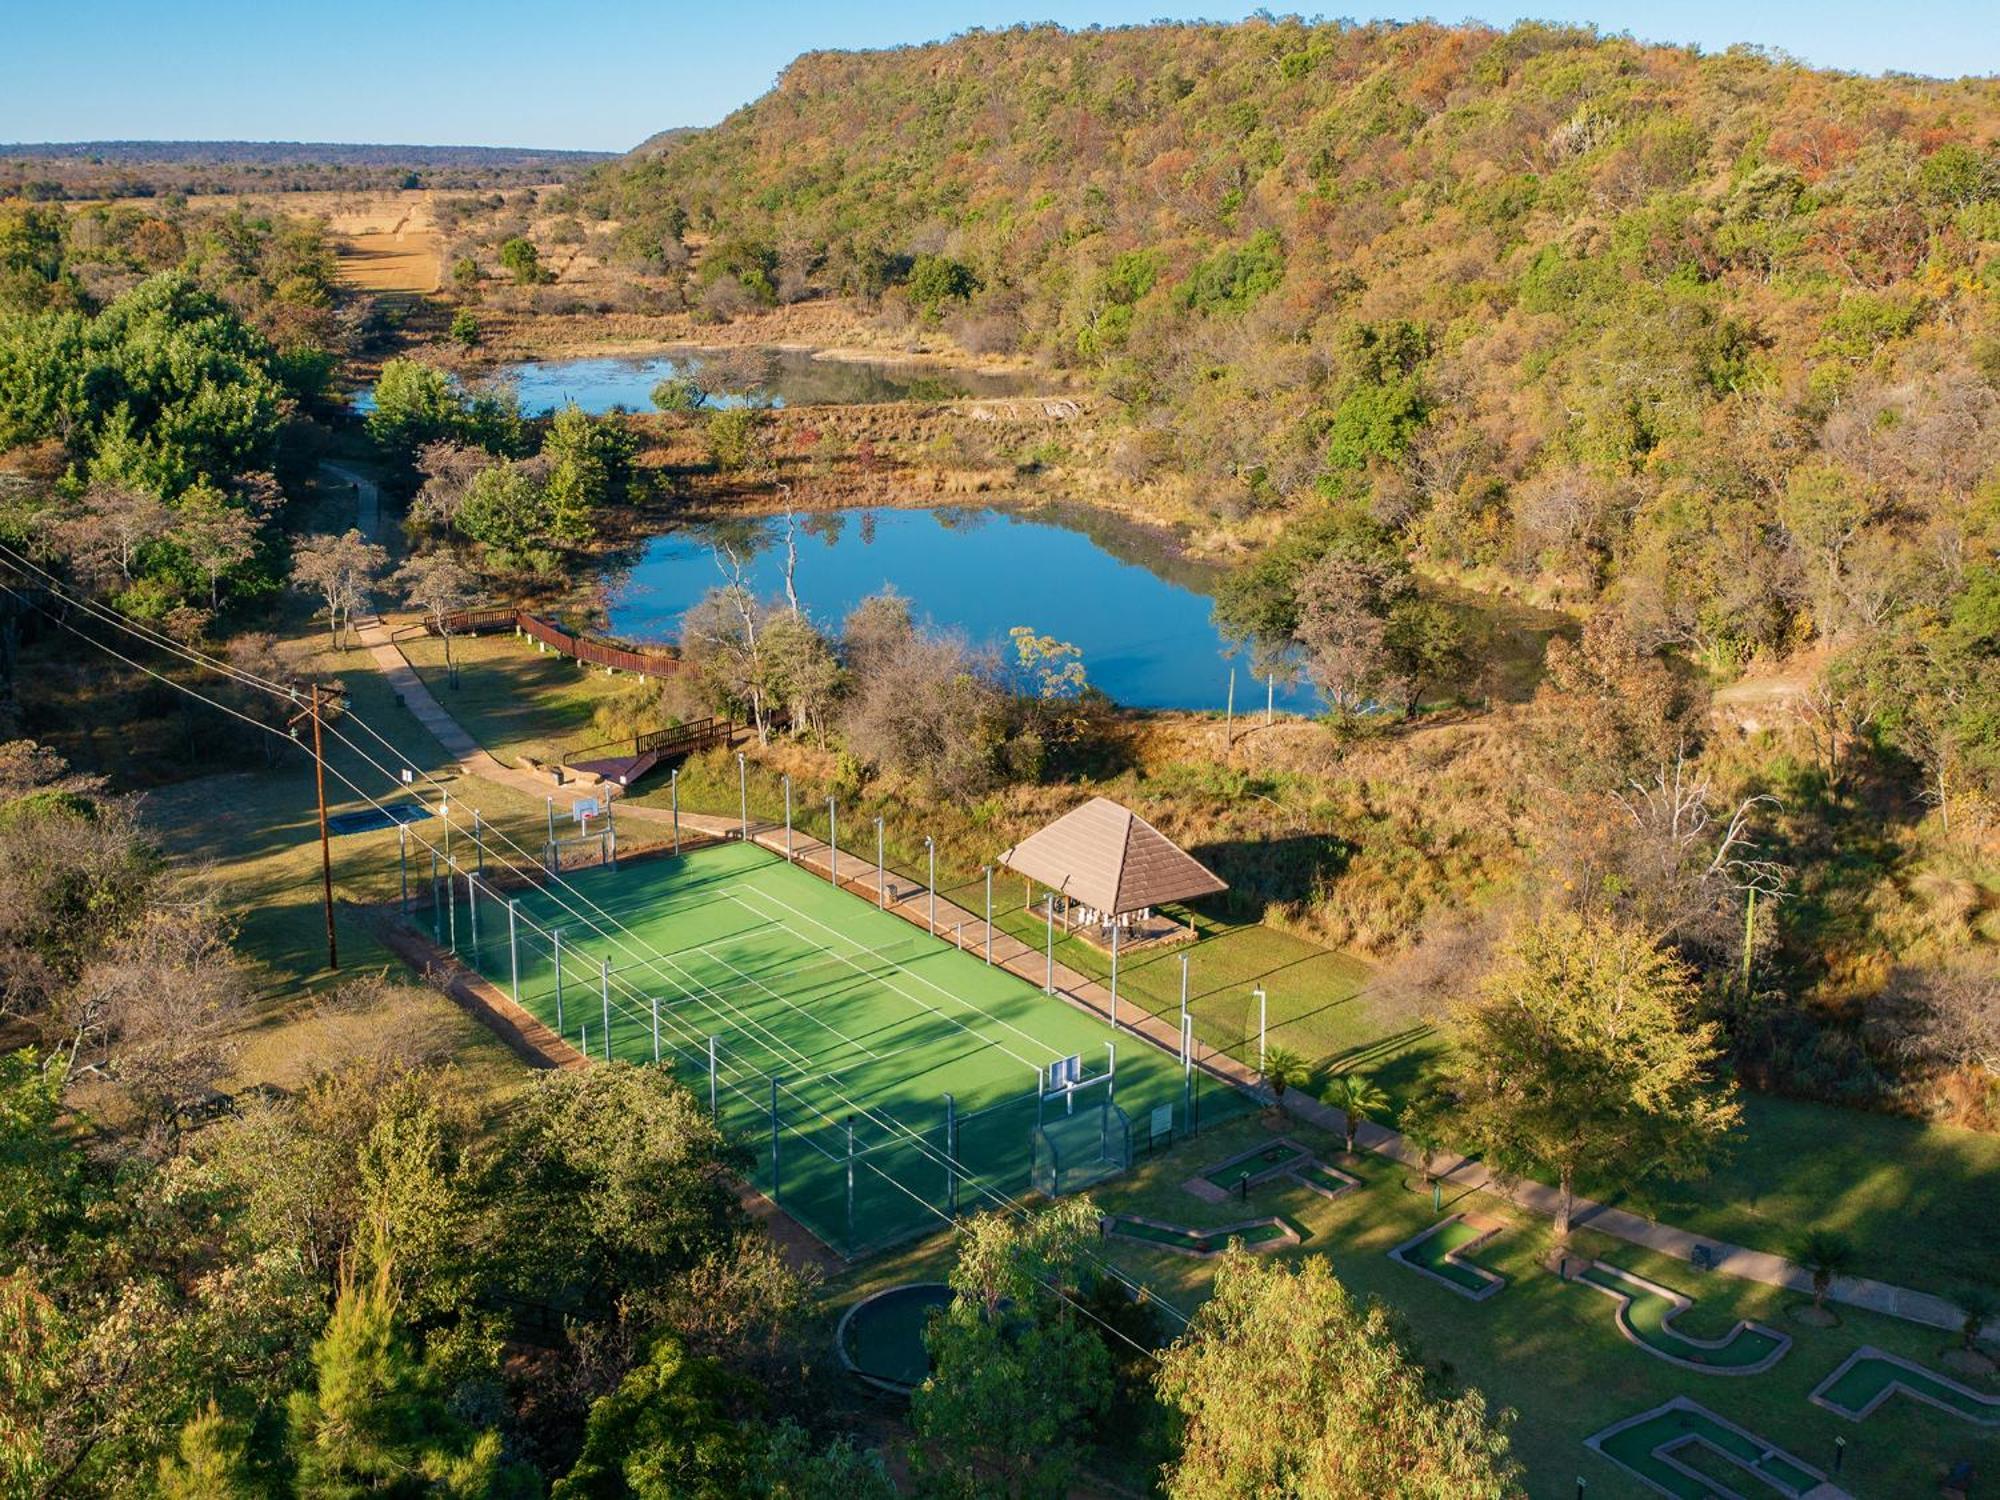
(319, 785)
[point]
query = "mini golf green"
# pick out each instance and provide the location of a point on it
(1648, 1446)
(1201, 1241)
(1239, 1169)
(881, 1338)
(1326, 1180)
(1435, 1253)
(1648, 1310)
(1869, 1377)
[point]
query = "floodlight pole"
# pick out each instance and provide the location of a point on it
(604, 988)
(930, 853)
(1110, 1070)
(1262, 1016)
(451, 894)
(555, 940)
(514, 948)
(743, 793)
(788, 815)
(1184, 990)
(832, 846)
(1114, 972)
(951, 1156)
(989, 914)
(674, 791)
(478, 843)
(437, 911)
(881, 876)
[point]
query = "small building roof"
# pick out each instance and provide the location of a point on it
(1108, 857)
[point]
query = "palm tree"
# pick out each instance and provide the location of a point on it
(1826, 1255)
(1359, 1098)
(1283, 1068)
(1976, 1305)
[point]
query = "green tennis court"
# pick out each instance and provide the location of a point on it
(848, 1045)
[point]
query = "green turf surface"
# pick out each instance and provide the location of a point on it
(1432, 1254)
(1231, 1173)
(856, 1013)
(1638, 1448)
(1649, 1313)
(1194, 1239)
(1869, 1378)
(885, 1337)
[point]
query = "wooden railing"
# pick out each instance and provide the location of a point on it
(582, 647)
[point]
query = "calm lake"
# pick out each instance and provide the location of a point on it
(1140, 614)
(739, 377)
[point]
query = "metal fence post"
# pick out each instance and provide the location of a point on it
(1261, 1016)
(881, 878)
(604, 988)
(788, 815)
(1114, 973)
(930, 849)
(989, 913)
(1049, 913)
(743, 794)
(656, 1028)
(850, 1184)
(478, 845)
(951, 1156)
(514, 948)
(711, 1078)
(832, 845)
(674, 790)
(403, 862)
(555, 941)
(777, 1190)
(437, 908)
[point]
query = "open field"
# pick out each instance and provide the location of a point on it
(1548, 1349)
(517, 702)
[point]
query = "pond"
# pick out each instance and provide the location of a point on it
(740, 377)
(1140, 614)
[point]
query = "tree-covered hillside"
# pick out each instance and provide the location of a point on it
(1715, 333)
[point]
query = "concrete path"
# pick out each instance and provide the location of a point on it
(909, 900)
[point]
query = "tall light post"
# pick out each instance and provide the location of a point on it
(930, 852)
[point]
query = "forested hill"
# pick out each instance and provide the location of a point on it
(1544, 300)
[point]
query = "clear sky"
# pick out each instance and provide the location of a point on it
(606, 75)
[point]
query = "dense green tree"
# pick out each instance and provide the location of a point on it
(1017, 1374)
(1286, 1385)
(1583, 1057)
(523, 261)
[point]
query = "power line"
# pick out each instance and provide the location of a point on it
(897, 1128)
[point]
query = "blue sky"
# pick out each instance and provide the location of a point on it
(606, 75)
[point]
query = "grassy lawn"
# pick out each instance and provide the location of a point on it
(1549, 1350)
(1916, 1199)
(513, 699)
(255, 834)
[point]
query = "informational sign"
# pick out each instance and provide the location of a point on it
(1163, 1122)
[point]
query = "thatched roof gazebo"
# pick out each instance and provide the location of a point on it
(1112, 869)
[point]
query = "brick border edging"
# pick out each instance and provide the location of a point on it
(1495, 1282)
(1664, 1453)
(1289, 1239)
(1894, 1387)
(1681, 1303)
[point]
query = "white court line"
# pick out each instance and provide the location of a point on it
(933, 1010)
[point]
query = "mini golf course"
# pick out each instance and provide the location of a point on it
(1272, 1233)
(881, 1338)
(1663, 1447)
(1249, 1169)
(1868, 1377)
(1443, 1253)
(1645, 1315)
(1328, 1182)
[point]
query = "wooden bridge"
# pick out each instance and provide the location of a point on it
(651, 750)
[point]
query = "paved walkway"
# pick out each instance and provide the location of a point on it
(908, 899)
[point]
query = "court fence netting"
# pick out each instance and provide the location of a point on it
(862, 1176)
